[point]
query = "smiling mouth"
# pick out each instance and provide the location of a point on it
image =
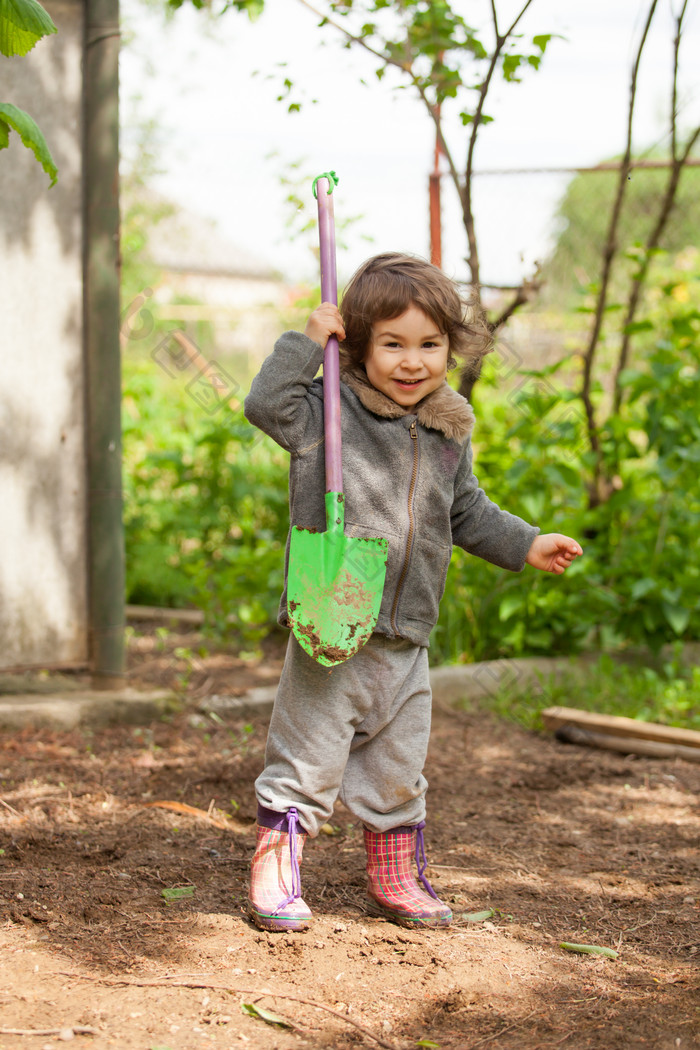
(409, 382)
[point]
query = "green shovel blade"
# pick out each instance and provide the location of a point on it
(334, 587)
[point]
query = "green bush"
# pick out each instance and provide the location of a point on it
(638, 581)
(583, 216)
(206, 512)
(668, 694)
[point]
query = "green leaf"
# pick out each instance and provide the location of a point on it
(512, 603)
(534, 504)
(640, 588)
(589, 949)
(630, 375)
(265, 1015)
(22, 24)
(254, 8)
(677, 617)
(468, 118)
(177, 893)
(638, 326)
(426, 1042)
(479, 916)
(511, 63)
(29, 132)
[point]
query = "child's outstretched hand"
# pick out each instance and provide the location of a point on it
(553, 552)
(324, 322)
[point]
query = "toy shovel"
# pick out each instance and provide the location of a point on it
(335, 582)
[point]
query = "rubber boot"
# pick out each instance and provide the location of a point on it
(275, 901)
(392, 889)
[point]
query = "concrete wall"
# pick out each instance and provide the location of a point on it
(43, 537)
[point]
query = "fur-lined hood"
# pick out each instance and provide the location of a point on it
(444, 409)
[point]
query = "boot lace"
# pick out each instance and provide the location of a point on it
(421, 862)
(292, 826)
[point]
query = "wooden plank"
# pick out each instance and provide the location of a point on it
(614, 725)
(626, 745)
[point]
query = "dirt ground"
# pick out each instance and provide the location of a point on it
(562, 844)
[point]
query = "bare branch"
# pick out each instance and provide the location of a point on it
(467, 206)
(674, 93)
(63, 1032)
(165, 982)
(353, 37)
(608, 255)
(665, 209)
(471, 370)
(415, 81)
(524, 294)
(494, 15)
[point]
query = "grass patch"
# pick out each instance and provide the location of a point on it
(669, 695)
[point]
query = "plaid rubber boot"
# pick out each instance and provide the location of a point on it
(275, 901)
(392, 888)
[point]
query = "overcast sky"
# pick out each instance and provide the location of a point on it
(219, 124)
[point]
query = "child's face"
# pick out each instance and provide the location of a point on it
(407, 357)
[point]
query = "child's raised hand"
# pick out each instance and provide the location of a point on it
(324, 322)
(553, 552)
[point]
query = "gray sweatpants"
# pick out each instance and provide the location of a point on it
(358, 730)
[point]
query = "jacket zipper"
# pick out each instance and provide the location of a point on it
(411, 525)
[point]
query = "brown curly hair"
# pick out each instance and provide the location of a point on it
(387, 285)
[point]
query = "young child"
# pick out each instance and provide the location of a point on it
(359, 730)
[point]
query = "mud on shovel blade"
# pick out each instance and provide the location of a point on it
(335, 582)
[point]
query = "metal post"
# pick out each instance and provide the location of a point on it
(435, 221)
(435, 207)
(101, 334)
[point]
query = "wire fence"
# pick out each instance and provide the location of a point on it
(551, 224)
(547, 222)
(555, 220)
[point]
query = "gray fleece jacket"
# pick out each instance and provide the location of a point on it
(407, 476)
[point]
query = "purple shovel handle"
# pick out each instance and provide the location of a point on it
(331, 364)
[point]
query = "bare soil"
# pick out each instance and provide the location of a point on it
(562, 844)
